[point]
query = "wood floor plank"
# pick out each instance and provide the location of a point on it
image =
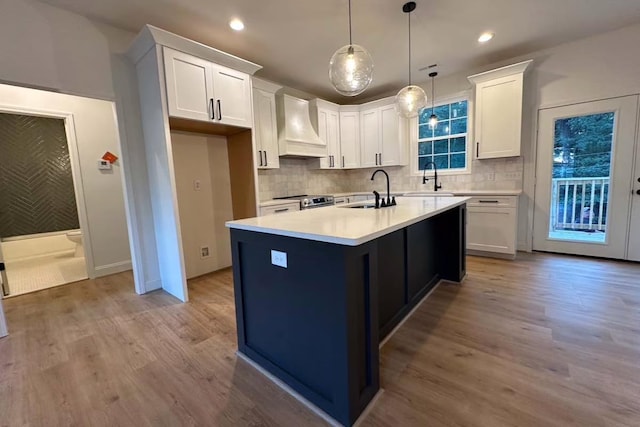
(545, 340)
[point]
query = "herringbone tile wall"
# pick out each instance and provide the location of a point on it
(36, 184)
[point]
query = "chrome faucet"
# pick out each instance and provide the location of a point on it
(390, 201)
(436, 186)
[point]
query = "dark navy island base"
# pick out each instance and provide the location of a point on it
(316, 325)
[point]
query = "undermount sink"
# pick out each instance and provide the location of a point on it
(360, 206)
(427, 194)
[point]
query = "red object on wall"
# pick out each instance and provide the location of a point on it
(110, 157)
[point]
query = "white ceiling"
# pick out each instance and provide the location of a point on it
(294, 39)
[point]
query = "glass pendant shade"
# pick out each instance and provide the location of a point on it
(351, 70)
(433, 121)
(410, 101)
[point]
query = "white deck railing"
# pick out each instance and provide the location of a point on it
(579, 203)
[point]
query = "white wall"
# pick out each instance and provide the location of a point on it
(46, 47)
(203, 212)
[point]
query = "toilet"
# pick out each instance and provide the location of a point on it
(76, 237)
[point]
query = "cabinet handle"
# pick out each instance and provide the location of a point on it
(266, 159)
(477, 149)
(260, 152)
(638, 192)
(380, 157)
(281, 210)
(219, 110)
(330, 161)
(340, 202)
(213, 109)
(489, 201)
(342, 161)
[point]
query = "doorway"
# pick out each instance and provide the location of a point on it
(584, 179)
(41, 242)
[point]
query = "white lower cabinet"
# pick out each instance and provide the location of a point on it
(341, 200)
(277, 209)
(492, 224)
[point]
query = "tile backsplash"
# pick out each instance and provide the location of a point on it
(296, 177)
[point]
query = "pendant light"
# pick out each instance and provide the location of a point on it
(351, 67)
(411, 99)
(433, 119)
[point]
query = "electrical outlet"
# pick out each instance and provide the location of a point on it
(197, 185)
(204, 252)
(491, 176)
(279, 258)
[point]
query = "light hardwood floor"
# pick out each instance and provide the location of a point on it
(542, 341)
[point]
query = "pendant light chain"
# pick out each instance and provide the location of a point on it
(350, 40)
(433, 94)
(409, 18)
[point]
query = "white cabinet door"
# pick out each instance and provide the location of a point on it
(370, 137)
(189, 86)
(499, 117)
(392, 146)
(323, 123)
(232, 97)
(265, 128)
(332, 138)
(350, 139)
(328, 127)
(491, 229)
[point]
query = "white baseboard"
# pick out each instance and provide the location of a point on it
(117, 267)
(152, 285)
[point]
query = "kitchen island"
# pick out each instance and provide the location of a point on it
(316, 291)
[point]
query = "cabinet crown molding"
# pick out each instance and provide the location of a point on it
(508, 70)
(150, 36)
(265, 85)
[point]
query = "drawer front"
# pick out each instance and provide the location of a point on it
(285, 207)
(494, 201)
(341, 200)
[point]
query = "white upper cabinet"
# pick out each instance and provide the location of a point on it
(325, 118)
(189, 86)
(201, 90)
(265, 125)
(498, 111)
(393, 141)
(350, 139)
(231, 91)
(370, 138)
(382, 142)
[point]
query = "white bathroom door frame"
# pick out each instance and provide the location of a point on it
(4, 331)
(74, 154)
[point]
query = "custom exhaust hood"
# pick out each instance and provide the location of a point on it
(296, 136)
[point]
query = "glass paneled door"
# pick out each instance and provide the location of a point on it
(584, 170)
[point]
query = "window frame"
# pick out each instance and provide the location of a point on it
(413, 132)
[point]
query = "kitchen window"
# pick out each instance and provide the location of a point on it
(446, 143)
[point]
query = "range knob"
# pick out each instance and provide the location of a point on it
(305, 202)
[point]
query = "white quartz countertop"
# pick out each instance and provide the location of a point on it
(347, 226)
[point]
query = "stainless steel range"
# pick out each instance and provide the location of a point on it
(309, 202)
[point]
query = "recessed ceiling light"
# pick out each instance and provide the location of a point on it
(236, 24)
(485, 37)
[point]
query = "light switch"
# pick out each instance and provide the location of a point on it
(279, 258)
